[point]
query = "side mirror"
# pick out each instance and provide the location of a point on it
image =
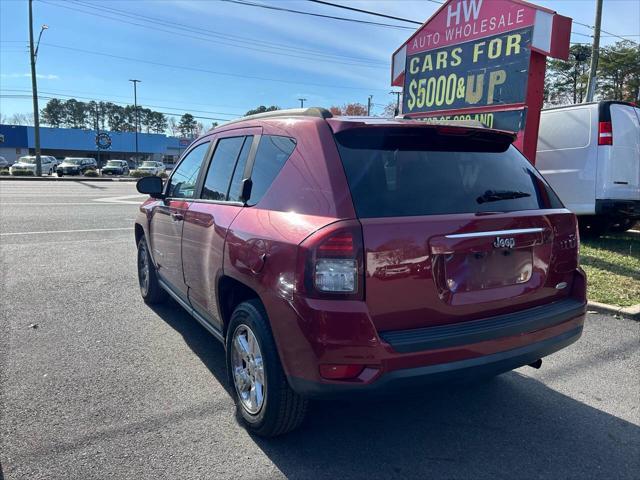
(151, 186)
(245, 191)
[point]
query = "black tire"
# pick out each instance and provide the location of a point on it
(282, 409)
(622, 225)
(150, 288)
(592, 227)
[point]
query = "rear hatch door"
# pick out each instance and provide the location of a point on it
(457, 225)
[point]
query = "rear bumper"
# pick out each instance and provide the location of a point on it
(462, 370)
(618, 208)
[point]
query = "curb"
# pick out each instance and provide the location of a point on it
(68, 179)
(632, 312)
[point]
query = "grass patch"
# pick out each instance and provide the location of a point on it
(612, 263)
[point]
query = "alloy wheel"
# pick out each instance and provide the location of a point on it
(248, 369)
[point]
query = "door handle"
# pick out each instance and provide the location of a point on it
(177, 217)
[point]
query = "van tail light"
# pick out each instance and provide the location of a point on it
(330, 263)
(605, 133)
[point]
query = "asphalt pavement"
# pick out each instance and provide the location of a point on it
(95, 384)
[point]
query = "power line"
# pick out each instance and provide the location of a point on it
(378, 14)
(112, 95)
(368, 12)
(46, 97)
(300, 12)
(225, 36)
(204, 36)
(233, 115)
(204, 70)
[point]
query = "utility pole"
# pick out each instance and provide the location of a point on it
(595, 54)
(397, 94)
(369, 105)
(135, 106)
(302, 100)
(34, 89)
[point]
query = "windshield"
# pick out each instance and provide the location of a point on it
(114, 163)
(73, 161)
(27, 160)
(149, 164)
(395, 173)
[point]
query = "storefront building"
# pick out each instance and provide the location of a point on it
(16, 141)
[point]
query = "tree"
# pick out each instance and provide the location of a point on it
(115, 116)
(390, 110)
(21, 119)
(262, 109)
(619, 72)
(158, 122)
(75, 113)
(336, 111)
(187, 125)
(566, 81)
(173, 126)
(350, 109)
(53, 113)
(146, 119)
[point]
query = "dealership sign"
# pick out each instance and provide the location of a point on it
(482, 60)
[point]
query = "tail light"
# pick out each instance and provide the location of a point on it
(605, 133)
(330, 263)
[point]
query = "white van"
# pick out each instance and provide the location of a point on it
(590, 154)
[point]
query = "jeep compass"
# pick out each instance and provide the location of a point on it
(341, 256)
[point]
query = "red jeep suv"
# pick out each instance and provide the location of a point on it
(337, 256)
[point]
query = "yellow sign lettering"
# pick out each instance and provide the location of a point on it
(495, 79)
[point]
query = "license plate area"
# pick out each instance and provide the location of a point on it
(465, 272)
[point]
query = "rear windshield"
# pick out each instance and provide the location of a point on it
(405, 172)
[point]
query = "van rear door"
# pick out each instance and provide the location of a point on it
(619, 162)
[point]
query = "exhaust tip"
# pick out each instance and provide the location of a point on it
(537, 364)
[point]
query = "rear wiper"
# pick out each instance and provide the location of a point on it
(496, 195)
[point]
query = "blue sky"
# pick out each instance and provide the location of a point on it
(224, 44)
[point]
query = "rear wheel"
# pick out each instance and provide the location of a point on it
(150, 288)
(265, 402)
(622, 225)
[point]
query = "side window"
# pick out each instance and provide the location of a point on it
(183, 181)
(271, 156)
(220, 171)
(238, 175)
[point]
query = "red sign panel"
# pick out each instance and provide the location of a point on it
(478, 58)
(462, 21)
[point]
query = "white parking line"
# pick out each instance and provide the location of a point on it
(124, 199)
(62, 203)
(67, 231)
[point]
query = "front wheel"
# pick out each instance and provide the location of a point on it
(265, 402)
(150, 288)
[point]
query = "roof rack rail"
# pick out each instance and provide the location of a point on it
(292, 112)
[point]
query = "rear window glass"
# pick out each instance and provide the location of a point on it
(405, 173)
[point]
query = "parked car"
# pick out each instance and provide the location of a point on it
(151, 167)
(116, 167)
(76, 166)
(590, 154)
(271, 229)
(28, 164)
(3, 162)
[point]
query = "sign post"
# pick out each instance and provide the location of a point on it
(482, 60)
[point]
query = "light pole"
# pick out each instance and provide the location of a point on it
(135, 106)
(302, 100)
(33, 52)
